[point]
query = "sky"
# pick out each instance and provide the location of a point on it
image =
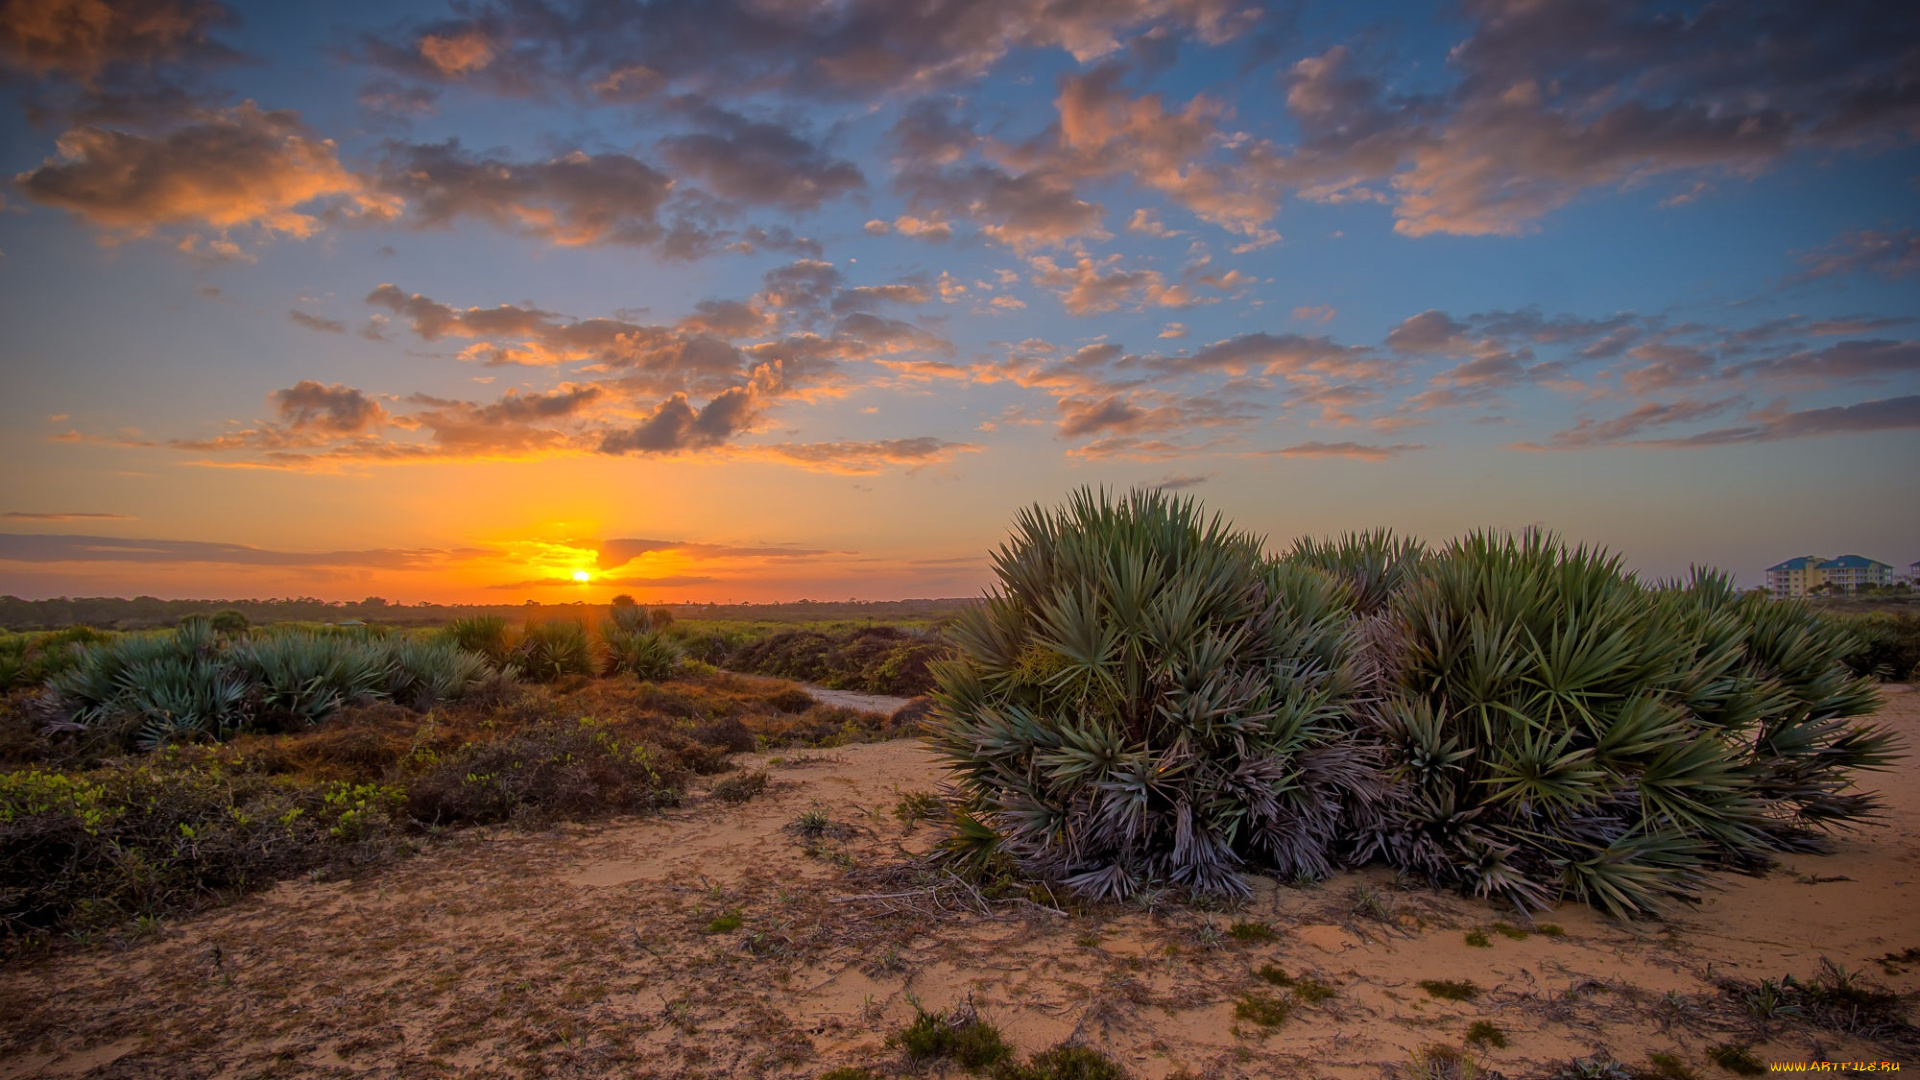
(757, 300)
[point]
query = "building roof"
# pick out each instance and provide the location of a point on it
(1799, 562)
(1854, 562)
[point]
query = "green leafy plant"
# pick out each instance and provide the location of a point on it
(553, 650)
(488, 635)
(1068, 1062)
(1450, 989)
(1486, 1033)
(961, 1036)
(643, 654)
(1737, 1060)
(1146, 699)
(1557, 727)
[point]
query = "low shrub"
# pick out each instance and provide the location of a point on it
(1069, 1062)
(870, 660)
(960, 1036)
(643, 654)
(1886, 644)
(84, 852)
(487, 635)
(742, 788)
(553, 650)
(552, 770)
(29, 660)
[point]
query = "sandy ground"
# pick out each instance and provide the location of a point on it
(595, 951)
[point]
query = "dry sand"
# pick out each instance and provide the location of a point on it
(587, 951)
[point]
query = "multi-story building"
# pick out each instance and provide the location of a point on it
(1852, 572)
(1802, 575)
(1795, 577)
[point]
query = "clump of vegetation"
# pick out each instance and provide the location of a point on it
(1886, 644)
(1069, 1062)
(82, 853)
(106, 839)
(1479, 939)
(1450, 989)
(553, 650)
(915, 807)
(490, 636)
(1663, 1066)
(1737, 1059)
(554, 770)
(961, 1036)
(1558, 726)
(149, 690)
(726, 922)
(1130, 633)
(636, 641)
(1250, 931)
(850, 1072)
(1486, 1033)
(1596, 1067)
(1262, 1009)
(1442, 1062)
(28, 660)
(1512, 932)
(1306, 989)
(870, 660)
(742, 788)
(1835, 999)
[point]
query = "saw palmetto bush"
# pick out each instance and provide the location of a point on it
(1146, 699)
(157, 688)
(303, 678)
(1557, 728)
(1374, 564)
(553, 650)
(634, 642)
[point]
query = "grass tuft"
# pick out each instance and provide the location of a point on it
(741, 788)
(1268, 1012)
(1071, 1062)
(1479, 940)
(1737, 1059)
(960, 1036)
(1486, 1033)
(1251, 931)
(1450, 990)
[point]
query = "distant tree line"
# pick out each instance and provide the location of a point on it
(147, 612)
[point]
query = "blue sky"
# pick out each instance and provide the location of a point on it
(802, 298)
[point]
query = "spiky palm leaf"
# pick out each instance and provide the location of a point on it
(1145, 699)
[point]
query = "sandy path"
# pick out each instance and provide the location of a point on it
(594, 950)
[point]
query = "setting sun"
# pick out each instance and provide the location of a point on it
(582, 575)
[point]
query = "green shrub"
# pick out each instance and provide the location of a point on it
(1146, 699)
(158, 688)
(94, 850)
(423, 673)
(1886, 644)
(32, 659)
(553, 650)
(1070, 1062)
(1557, 727)
(1375, 565)
(643, 654)
(303, 678)
(960, 1036)
(548, 770)
(488, 635)
(1488, 1034)
(742, 788)
(1450, 989)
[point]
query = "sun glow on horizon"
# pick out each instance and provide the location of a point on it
(582, 576)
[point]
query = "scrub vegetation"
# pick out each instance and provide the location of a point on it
(1151, 700)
